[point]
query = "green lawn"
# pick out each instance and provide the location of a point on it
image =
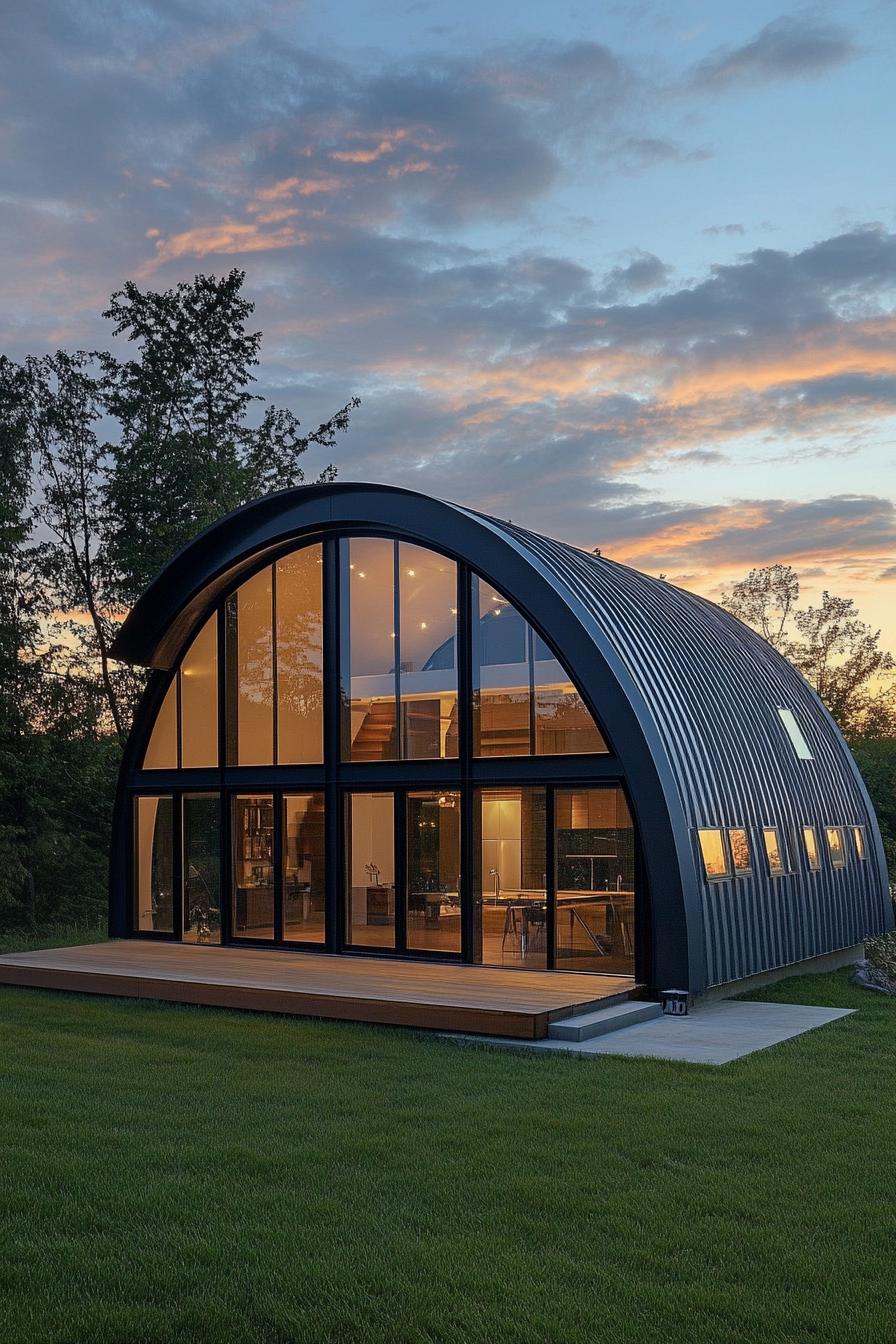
(188, 1174)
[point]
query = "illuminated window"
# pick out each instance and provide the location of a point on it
(740, 849)
(811, 842)
(161, 751)
(154, 864)
(858, 835)
(774, 851)
(201, 821)
(250, 672)
(427, 654)
(795, 733)
(199, 699)
(369, 648)
(712, 847)
(304, 895)
(524, 703)
(298, 599)
(836, 846)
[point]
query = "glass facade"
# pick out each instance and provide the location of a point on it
(153, 864)
(304, 888)
(252, 867)
(368, 649)
(432, 892)
(510, 845)
(427, 653)
(238, 852)
(594, 854)
(202, 867)
(524, 703)
(299, 656)
(370, 870)
(249, 678)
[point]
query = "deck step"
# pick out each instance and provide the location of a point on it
(601, 1020)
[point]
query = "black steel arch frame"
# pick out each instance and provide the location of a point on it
(165, 619)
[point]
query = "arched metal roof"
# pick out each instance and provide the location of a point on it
(688, 695)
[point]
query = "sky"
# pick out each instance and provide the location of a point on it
(622, 272)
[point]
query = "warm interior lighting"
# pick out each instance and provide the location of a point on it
(773, 851)
(811, 843)
(836, 847)
(712, 848)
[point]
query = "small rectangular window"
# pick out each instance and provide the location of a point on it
(811, 843)
(712, 847)
(794, 732)
(836, 847)
(739, 845)
(858, 835)
(774, 851)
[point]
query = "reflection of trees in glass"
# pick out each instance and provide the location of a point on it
(255, 641)
(740, 850)
(300, 660)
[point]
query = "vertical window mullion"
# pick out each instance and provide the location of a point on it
(177, 839)
(396, 619)
(277, 857)
(399, 812)
(275, 708)
(335, 695)
(530, 659)
(550, 878)
(464, 669)
(178, 717)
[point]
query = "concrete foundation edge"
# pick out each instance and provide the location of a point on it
(828, 961)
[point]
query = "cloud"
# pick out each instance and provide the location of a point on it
(715, 230)
(752, 531)
(643, 273)
(634, 153)
(786, 48)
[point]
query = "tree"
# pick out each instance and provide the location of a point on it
(112, 512)
(108, 467)
(838, 653)
(60, 404)
(18, 637)
(188, 452)
(765, 600)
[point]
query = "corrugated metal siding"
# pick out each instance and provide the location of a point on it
(714, 690)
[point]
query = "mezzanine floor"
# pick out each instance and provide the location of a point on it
(476, 999)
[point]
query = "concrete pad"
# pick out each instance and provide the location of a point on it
(713, 1033)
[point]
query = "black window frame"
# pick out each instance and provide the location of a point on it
(334, 777)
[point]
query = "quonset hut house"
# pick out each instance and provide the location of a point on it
(382, 724)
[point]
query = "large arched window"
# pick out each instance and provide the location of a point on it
(371, 772)
(399, 649)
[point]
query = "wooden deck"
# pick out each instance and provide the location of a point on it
(358, 989)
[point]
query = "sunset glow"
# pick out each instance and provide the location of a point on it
(628, 282)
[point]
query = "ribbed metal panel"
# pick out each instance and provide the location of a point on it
(713, 689)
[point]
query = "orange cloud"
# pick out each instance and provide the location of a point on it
(415, 166)
(227, 237)
(296, 186)
(855, 347)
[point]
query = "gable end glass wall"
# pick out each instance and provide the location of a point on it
(368, 748)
